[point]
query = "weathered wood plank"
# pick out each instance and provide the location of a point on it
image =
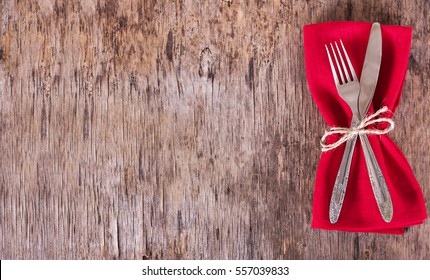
(180, 130)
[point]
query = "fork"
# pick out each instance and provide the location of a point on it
(349, 88)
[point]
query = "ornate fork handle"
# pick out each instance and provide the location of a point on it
(377, 180)
(341, 182)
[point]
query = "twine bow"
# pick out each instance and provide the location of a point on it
(349, 133)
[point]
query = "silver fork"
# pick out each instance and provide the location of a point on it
(349, 89)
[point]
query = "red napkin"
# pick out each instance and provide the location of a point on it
(360, 212)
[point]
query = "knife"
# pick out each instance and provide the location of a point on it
(368, 82)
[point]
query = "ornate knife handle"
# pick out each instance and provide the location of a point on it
(341, 182)
(377, 180)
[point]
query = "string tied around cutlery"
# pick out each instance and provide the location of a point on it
(361, 128)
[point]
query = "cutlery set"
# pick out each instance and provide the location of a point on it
(358, 95)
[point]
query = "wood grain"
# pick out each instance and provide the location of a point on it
(180, 130)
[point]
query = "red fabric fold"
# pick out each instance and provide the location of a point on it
(360, 212)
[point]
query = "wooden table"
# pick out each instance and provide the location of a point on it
(181, 130)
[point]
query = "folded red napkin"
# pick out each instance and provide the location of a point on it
(360, 212)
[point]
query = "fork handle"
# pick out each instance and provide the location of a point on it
(377, 180)
(341, 182)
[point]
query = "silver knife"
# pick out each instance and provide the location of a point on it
(368, 82)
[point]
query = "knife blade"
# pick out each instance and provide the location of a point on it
(370, 71)
(368, 82)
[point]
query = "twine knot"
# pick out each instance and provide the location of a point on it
(349, 133)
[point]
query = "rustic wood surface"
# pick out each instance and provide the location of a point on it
(181, 130)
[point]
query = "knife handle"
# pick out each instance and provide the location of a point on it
(341, 182)
(377, 180)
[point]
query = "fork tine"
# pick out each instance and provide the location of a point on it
(354, 76)
(337, 63)
(333, 71)
(345, 70)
